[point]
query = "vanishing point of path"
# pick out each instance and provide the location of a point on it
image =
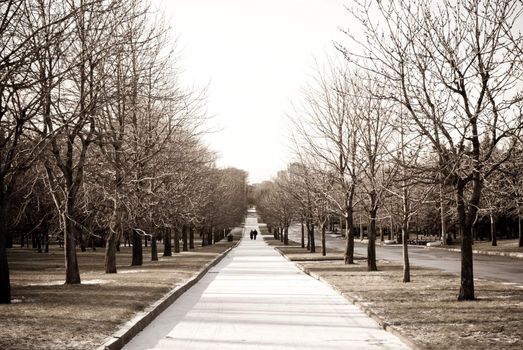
(256, 299)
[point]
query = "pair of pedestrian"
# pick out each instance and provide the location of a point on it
(253, 234)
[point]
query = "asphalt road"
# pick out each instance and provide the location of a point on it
(494, 268)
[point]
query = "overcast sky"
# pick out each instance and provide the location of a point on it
(255, 55)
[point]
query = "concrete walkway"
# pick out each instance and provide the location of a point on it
(256, 299)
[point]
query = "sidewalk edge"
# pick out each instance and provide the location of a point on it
(142, 319)
(367, 310)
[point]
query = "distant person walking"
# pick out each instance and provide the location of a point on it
(255, 233)
(251, 234)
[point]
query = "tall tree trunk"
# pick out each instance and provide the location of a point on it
(176, 240)
(185, 229)
(286, 235)
(371, 247)
(493, 236)
(82, 241)
(167, 248)
(191, 237)
(302, 232)
(137, 249)
(46, 249)
(520, 233)
(110, 253)
(465, 220)
(442, 217)
(5, 282)
(405, 231)
(406, 263)
(308, 238)
(203, 235)
(323, 242)
(210, 234)
(39, 242)
(115, 226)
(72, 273)
(310, 228)
(349, 229)
(154, 248)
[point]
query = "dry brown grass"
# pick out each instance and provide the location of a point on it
(50, 315)
(506, 245)
(426, 310)
(276, 243)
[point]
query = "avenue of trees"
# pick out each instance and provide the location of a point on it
(99, 142)
(415, 127)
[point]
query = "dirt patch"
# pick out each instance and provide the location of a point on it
(426, 310)
(50, 315)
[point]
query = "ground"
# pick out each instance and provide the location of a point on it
(46, 314)
(425, 310)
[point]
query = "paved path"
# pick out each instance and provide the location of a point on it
(255, 299)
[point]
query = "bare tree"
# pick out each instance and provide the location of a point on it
(373, 117)
(21, 31)
(455, 69)
(75, 110)
(410, 187)
(326, 127)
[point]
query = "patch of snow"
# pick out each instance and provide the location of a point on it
(46, 283)
(132, 271)
(96, 281)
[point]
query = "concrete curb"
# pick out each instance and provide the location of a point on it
(486, 252)
(367, 310)
(515, 255)
(142, 319)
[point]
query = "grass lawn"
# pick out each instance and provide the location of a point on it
(426, 309)
(47, 314)
(505, 245)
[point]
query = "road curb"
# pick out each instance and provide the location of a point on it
(486, 252)
(142, 319)
(367, 310)
(514, 255)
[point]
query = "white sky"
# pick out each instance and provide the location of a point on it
(255, 55)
